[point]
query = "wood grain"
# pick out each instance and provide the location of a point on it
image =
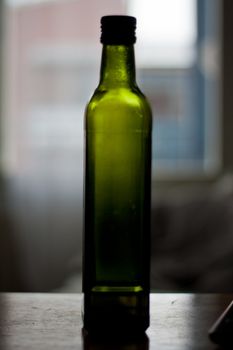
(53, 321)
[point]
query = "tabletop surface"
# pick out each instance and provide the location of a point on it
(53, 321)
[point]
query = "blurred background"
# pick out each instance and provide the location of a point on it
(49, 67)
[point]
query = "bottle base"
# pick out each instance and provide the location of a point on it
(97, 341)
(118, 313)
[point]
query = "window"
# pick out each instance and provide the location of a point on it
(55, 56)
(178, 66)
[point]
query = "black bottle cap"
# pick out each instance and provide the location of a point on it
(118, 30)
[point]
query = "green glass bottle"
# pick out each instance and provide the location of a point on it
(116, 265)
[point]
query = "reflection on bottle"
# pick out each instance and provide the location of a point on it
(115, 342)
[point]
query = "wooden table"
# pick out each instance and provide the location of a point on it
(53, 321)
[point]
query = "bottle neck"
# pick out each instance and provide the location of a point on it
(117, 66)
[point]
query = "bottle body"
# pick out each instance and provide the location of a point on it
(117, 209)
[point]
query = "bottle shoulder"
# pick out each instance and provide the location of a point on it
(118, 109)
(120, 98)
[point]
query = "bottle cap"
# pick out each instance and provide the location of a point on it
(118, 30)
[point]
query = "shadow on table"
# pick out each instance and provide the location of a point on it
(115, 342)
(2, 315)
